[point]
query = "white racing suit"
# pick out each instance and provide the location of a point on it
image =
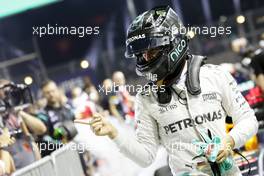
(171, 125)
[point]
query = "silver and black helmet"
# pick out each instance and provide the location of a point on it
(158, 28)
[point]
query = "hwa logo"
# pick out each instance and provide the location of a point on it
(209, 96)
(167, 108)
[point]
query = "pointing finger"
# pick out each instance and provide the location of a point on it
(86, 122)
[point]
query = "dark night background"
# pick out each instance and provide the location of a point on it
(17, 29)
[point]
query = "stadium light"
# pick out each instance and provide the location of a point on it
(28, 80)
(240, 19)
(84, 64)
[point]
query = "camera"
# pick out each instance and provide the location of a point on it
(15, 96)
(65, 130)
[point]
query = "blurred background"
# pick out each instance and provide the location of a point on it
(55, 55)
(78, 65)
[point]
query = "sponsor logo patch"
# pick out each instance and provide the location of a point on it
(167, 108)
(189, 122)
(209, 96)
(136, 37)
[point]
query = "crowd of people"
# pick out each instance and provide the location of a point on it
(27, 132)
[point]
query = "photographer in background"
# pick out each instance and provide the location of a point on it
(60, 116)
(59, 122)
(19, 124)
(257, 63)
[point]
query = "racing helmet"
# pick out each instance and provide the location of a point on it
(158, 28)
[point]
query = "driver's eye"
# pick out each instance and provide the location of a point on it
(151, 54)
(154, 51)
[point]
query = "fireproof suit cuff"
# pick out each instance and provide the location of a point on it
(237, 140)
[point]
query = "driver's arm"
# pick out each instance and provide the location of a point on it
(142, 148)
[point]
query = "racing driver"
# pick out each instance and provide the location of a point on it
(187, 112)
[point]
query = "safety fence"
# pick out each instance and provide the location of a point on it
(66, 162)
(63, 162)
